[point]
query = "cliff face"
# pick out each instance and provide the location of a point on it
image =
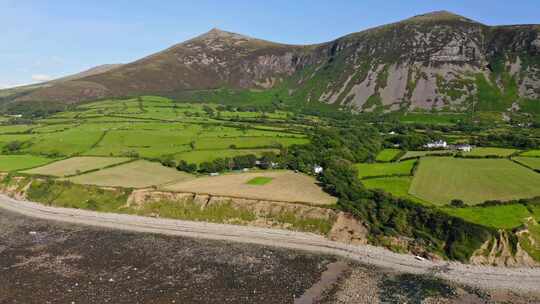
(433, 61)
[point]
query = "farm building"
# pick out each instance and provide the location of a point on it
(438, 144)
(464, 148)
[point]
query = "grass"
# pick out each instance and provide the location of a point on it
(286, 186)
(531, 162)
(488, 151)
(504, 216)
(76, 165)
(531, 153)
(532, 247)
(385, 169)
(259, 180)
(137, 174)
(200, 156)
(441, 179)
(397, 186)
(215, 213)
(20, 162)
(387, 155)
(77, 196)
(433, 118)
(415, 154)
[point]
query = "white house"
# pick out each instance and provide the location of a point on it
(438, 144)
(464, 148)
(317, 169)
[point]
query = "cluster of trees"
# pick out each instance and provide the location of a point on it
(266, 161)
(336, 148)
(514, 139)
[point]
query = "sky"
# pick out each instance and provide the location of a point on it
(46, 39)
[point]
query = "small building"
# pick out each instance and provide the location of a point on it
(214, 174)
(464, 148)
(438, 144)
(318, 169)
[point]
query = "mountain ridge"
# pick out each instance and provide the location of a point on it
(433, 61)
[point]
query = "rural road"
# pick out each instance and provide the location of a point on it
(523, 279)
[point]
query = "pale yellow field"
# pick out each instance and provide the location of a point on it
(137, 174)
(76, 165)
(285, 186)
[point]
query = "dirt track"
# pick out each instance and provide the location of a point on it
(524, 279)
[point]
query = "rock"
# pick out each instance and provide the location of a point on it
(348, 230)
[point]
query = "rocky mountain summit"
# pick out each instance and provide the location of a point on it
(438, 61)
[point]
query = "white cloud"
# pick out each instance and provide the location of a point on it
(41, 77)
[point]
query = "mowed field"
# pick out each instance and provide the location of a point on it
(137, 174)
(387, 155)
(76, 165)
(153, 127)
(20, 162)
(441, 179)
(488, 151)
(385, 169)
(531, 162)
(415, 154)
(284, 186)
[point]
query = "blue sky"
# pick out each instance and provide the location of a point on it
(43, 39)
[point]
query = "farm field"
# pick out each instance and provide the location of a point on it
(397, 186)
(153, 127)
(430, 118)
(504, 216)
(20, 162)
(76, 165)
(137, 174)
(531, 153)
(387, 155)
(385, 169)
(284, 186)
(415, 154)
(531, 162)
(200, 156)
(488, 151)
(441, 179)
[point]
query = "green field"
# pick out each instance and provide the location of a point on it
(397, 186)
(415, 154)
(431, 118)
(531, 162)
(387, 155)
(505, 216)
(531, 153)
(76, 165)
(20, 162)
(138, 174)
(441, 179)
(259, 181)
(153, 127)
(385, 169)
(481, 151)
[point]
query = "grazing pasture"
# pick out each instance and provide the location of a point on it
(387, 155)
(284, 186)
(531, 162)
(531, 153)
(397, 186)
(259, 180)
(20, 162)
(442, 179)
(385, 169)
(415, 154)
(76, 165)
(488, 151)
(137, 174)
(504, 216)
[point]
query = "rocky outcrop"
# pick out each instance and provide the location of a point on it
(500, 251)
(349, 230)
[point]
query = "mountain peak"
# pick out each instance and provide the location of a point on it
(216, 33)
(438, 16)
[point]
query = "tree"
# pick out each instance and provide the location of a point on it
(457, 203)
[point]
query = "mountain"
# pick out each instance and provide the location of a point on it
(433, 61)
